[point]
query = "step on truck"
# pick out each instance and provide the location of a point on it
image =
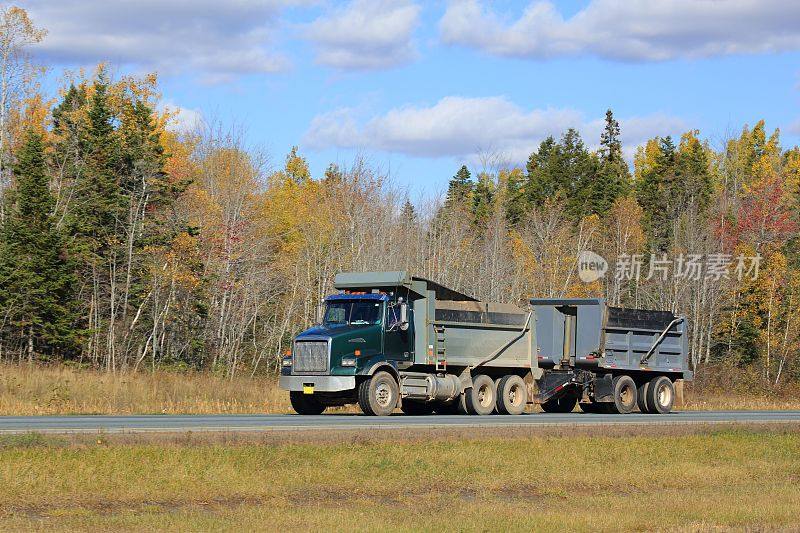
(390, 339)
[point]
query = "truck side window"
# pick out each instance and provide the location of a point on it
(392, 315)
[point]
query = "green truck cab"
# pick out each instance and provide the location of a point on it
(360, 334)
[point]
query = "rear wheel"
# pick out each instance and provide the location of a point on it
(624, 394)
(660, 395)
(378, 395)
(512, 395)
(481, 398)
(564, 404)
(305, 404)
(412, 408)
(641, 396)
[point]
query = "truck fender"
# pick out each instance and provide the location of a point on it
(383, 365)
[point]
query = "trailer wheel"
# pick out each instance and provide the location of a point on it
(377, 396)
(481, 398)
(641, 396)
(624, 394)
(512, 395)
(305, 404)
(564, 404)
(660, 395)
(412, 408)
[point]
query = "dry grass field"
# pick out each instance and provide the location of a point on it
(707, 479)
(54, 390)
(41, 390)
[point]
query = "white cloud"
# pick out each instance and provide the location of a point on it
(183, 120)
(456, 126)
(366, 34)
(637, 30)
(218, 40)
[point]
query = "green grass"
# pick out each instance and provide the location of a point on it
(727, 479)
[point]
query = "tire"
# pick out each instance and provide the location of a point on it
(590, 407)
(512, 395)
(481, 398)
(412, 408)
(660, 395)
(447, 408)
(564, 404)
(305, 404)
(378, 395)
(641, 396)
(625, 395)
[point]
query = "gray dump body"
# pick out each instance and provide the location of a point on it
(499, 334)
(590, 334)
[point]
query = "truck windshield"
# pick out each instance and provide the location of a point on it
(353, 313)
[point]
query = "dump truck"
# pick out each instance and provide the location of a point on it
(391, 339)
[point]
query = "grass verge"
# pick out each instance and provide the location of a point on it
(59, 390)
(732, 478)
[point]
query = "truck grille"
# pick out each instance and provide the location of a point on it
(310, 356)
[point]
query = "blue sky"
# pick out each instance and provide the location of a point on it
(421, 87)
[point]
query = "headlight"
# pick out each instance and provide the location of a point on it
(348, 361)
(287, 361)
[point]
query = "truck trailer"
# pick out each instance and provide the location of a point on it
(391, 339)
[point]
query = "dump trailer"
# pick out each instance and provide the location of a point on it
(391, 339)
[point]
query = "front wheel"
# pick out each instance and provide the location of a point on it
(305, 404)
(377, 396)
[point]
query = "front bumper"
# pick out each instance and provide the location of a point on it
(320, 383)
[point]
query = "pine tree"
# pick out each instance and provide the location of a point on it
(36, 272)
(561, 172)
(516, 204)
(460, 188)
(143, 180)
(409, 212)
(541, 183)
(99, 206)
(694, 179)
(483, 199)
(613, 177)
(656, 195)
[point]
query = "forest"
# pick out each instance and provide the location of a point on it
(126, 245)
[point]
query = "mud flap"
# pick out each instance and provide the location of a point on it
(604, 388)
(554, 384)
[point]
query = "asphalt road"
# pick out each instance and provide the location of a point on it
(244, 423)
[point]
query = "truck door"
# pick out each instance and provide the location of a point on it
(397, 344)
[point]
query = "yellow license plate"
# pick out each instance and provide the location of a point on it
(308, 389)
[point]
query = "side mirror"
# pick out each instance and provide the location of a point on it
(404, 316)
(320, 313)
